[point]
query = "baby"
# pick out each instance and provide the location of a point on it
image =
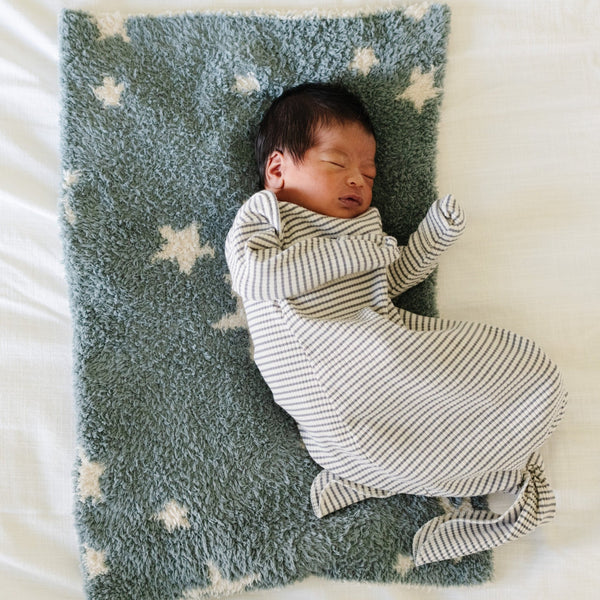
(386, 401)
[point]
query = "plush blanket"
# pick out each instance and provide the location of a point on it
(189, 480)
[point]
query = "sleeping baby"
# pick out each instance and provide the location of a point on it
(386, 401)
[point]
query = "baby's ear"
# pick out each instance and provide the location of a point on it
(274, 172)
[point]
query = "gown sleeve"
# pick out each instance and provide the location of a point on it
(263, 269)
(442, 225)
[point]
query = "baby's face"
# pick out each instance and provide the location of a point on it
(335, 177)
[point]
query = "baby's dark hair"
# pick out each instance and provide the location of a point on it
(292, 121)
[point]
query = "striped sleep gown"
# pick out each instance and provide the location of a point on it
(387, 401)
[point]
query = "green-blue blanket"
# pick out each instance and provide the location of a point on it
(189, 480)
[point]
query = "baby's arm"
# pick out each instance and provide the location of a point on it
(443, 224)
(262, 270)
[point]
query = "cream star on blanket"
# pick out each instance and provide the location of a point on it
(111, 24)
(233, 320)
(70, 178)
(364, 60)
(417, 11)
(404, 564)
(173, 516)
(109, 92)
(182, 246)
(88, 484)
(421, 89)
(246, 84)
(95, 562)
(219, 586)
(69, 212)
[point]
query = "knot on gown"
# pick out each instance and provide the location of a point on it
(466, 531)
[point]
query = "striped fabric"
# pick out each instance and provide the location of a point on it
(387, 401)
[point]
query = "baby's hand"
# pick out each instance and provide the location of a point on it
(452, 212)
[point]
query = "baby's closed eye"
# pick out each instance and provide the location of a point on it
(367, 174)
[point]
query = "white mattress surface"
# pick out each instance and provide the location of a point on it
(519, 146)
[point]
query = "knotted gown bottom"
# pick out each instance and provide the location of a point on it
(426, 406)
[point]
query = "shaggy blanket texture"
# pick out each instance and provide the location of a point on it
(190, 481)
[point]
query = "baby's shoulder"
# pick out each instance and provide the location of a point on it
(260, 201)
(260, 208)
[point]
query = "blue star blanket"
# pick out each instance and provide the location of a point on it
(190, 481)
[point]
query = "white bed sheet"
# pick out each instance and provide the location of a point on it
(519, 146)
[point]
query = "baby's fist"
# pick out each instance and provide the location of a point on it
(452, 212)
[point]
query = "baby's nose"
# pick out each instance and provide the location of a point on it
(356, 178)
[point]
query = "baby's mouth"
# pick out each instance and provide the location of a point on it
(351, 200)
